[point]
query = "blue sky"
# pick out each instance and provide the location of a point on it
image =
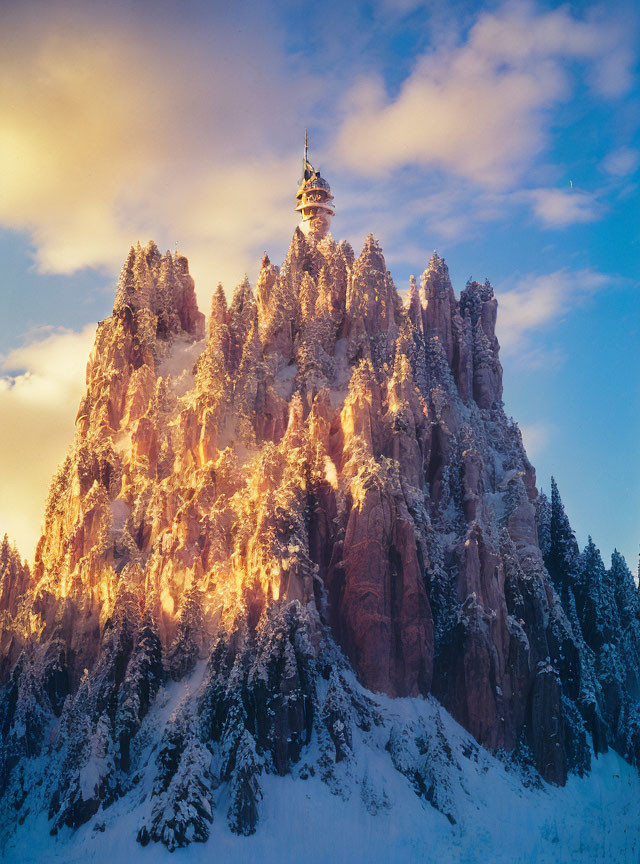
(505, 136)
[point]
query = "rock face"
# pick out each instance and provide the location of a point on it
(323, 464)
(14, 582)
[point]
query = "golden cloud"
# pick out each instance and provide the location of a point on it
(114, 130)
(40, 389)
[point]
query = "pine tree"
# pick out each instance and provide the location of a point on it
(441, 589)
(142, 679)
(126, 284)
(154, 259)
(88, 774)
(242, 317)
(183, 814)
(143, 297)
(627, 600)
(336, 715)
(219, 322)
(101, 690)
(235, 725)
(438, 371)
(227, 715)
(172, 746)
(281, 684)
(562, 558)
(282, 320)
(543, 520)
(212, 378)
(181, 802)
(219, 307)
(247, 385)
(213, 707)
(167, 290)
(595, 599)
(576, 745)
(25, 712)
(245, 791)
(14, 577)
(185, 648)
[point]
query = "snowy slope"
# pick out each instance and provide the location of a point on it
(372, 813)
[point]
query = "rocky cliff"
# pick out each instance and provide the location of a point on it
(323, 479)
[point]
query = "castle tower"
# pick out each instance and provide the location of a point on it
(314, 200)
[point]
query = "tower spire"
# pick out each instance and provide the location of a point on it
(314, 200)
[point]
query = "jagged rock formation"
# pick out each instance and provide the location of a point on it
(14, 623)
(323, 467)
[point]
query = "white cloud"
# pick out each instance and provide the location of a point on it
(481, 110)
(622, 162)
(40, 388)
(536, 301)
(116, 127)
(557, 208)
(536, 437)
(537, 357)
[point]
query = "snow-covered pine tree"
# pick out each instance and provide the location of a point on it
(245, 791)
(183, 652)
(172, 746)
(562, 558)
(181, 805)
(235, 719)
(165, 303)
(219, 320)
(187, 810)
(247, 385)
(142, 679)
(242, 317)
(627, 600)
(211, 366)
(281, 689)
(101, 692)
(213, 383)
(14, 577)
(212, 702)
(595, 599)
(411, 344)
(154, 259)
(337, 716)
(576, 741)
(437, 366)
(442, 599)
(25, 712)
(126, 284)
(543, 521)
(88, 779)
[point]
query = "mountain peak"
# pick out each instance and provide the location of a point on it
(325, 500)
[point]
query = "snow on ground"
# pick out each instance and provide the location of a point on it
(498, 819)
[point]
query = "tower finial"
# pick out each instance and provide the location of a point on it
(314, 200)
